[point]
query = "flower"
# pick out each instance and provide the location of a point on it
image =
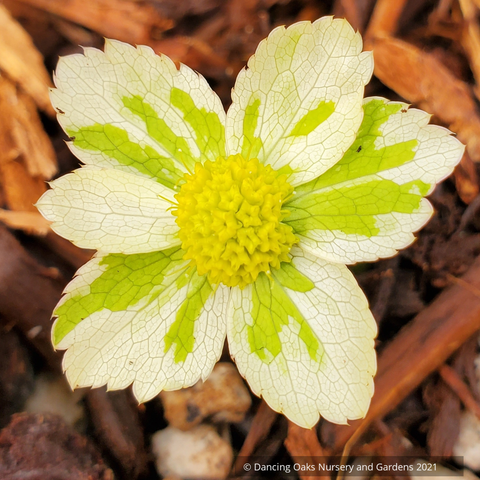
(240, 225)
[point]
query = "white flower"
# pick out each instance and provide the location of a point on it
(210, 225)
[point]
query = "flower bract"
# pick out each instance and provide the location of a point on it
(238, 225)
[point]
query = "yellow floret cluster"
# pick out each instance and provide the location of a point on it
(230, 218)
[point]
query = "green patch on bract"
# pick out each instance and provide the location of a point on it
(209, 130)
(363, 158)
(272, 310)
(114, 142)
(181, 332)
(313, 119)
(353, 209)
(290, 277)
(158, 129)
(338, 200)
(126, 280)
(251, 145)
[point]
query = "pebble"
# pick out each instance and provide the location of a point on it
(52, 394)
(468, 441)
(198, 454)
(223, 397)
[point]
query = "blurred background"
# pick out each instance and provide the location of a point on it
(426, 300)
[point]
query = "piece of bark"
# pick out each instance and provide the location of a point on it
(384, 289)
(464, 364)
(16, 375)
(22, 62)
(304, 448)
(117, 426)
(72, 254)
(39, 25)
(77, 34)
(420, 78)
(471, 39)
(355, 11)
(420, 348)
(37, 447)
(406, 300)
(446, 248)
(261, 425)
(470, 217)
(28, 295)
(457, 385)
(177, 10)
(21, 191)
(443, 393)
(452, 257)
(126, 20)
(27, 157)
(441, 11)
(21, 133)
(443, 422)
(34, 223)
(195, 53)
(385, 17)
(29, 222)
(466, 179)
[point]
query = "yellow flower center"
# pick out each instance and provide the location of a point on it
(230, 218)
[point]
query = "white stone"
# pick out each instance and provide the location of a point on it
(468, 441)
(53, 395)
(198, 454)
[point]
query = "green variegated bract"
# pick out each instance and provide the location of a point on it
(143, 310)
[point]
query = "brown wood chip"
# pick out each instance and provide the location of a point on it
(303, 446)
(29, 222)
(22, 62)
(125, 20)
(21, 133)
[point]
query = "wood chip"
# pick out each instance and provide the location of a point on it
(195, 53)
(29, 222)
(355, 11)
(28, 295)
(420, 78)
(471, 39)
(261, 425)
(39, 446)
(66, 250)
(304, 448)
(450, 376)
(22, 62)
(16, 375)
(127, 20)
(443, 421)
(20, 189)
(27, 159)
(466, 180)
(117, 426)
(385, 17)
(21, 133)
